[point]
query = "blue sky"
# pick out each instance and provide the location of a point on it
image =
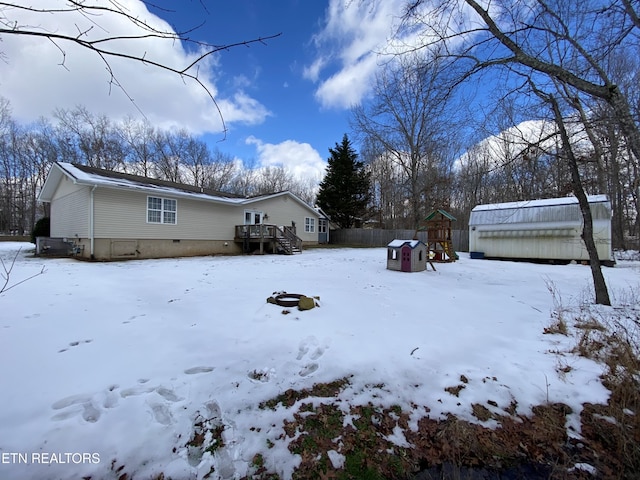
(272, 73)
(284, 103)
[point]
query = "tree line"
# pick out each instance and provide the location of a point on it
(519, 101)
(79, 136)
(560, 117)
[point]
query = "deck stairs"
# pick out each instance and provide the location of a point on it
(288, 242)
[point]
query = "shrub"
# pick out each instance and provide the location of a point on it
(41, 229)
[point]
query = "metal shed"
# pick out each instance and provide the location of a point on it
(407, 256)
(540, 229)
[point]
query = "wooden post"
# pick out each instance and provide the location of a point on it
(261, 239)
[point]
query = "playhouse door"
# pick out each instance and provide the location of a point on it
(405, 258)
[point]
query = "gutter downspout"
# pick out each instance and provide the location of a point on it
(91, 223)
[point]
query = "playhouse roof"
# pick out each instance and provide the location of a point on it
(441, 212)
(400, 243)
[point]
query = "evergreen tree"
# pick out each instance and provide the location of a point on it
(344, 191)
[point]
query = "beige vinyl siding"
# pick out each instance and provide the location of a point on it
(282, 210)
(123, 214)
(70, 211)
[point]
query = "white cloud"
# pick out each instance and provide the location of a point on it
(347, 87)
(355, 36)
(359, 38)
(35, 83)
(243, 108)
(301, 159)
(312, 72)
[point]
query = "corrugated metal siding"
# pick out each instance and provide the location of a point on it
(123, 214)
(541, 232)
(70, 211)
(552, 213)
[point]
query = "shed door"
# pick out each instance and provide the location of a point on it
(405, 258)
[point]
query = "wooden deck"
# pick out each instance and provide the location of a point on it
(268, 238)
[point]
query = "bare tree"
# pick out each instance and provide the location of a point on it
(600, 286)
(170, 147)
(96, 140)
(408, 121)
(196, 158)
(558, 46)
(272, 179)
(566, 41)
(39, 152)
(139, 138)
(220, 172)
(108, 47)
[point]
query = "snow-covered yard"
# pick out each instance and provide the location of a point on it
(110, 364)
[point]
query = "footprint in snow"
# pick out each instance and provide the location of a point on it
(306, 345)
(110, 397)
(164, 392)
(67, 413)
(159, 406)
(161, 413)
(167, 394)
(71, 400)
(194, 370)
(135, 391)
(308, 369)
(75, 344)
(76, 405)
(317, 353)
(262, 376)
(310, 344)
(214, 409)
(90, 413)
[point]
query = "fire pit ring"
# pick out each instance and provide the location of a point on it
(288, 299)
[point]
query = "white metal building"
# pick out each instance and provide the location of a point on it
(540, 229)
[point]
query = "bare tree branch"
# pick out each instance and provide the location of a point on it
(104, 47)
(7, 273)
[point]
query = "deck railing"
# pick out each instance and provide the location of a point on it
(293, 240)
(285, 236)
(256, 232)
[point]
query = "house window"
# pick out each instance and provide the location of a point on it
(392, 254)
(322, 226)
(309, 225)
(161, 210)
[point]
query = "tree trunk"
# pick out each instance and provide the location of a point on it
(600, 286)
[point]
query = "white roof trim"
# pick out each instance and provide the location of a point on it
(399, 243)
(539, 203)
(91, 179)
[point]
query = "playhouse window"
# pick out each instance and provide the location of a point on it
(393, 254)
(420, 256)
(161, 210)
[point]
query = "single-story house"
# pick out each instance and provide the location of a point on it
(109, 215)
(407, 256)
(540, 229)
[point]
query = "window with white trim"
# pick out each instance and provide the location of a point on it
(162, 210)
(309, 225)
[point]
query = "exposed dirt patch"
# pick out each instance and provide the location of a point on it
(373, 442)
